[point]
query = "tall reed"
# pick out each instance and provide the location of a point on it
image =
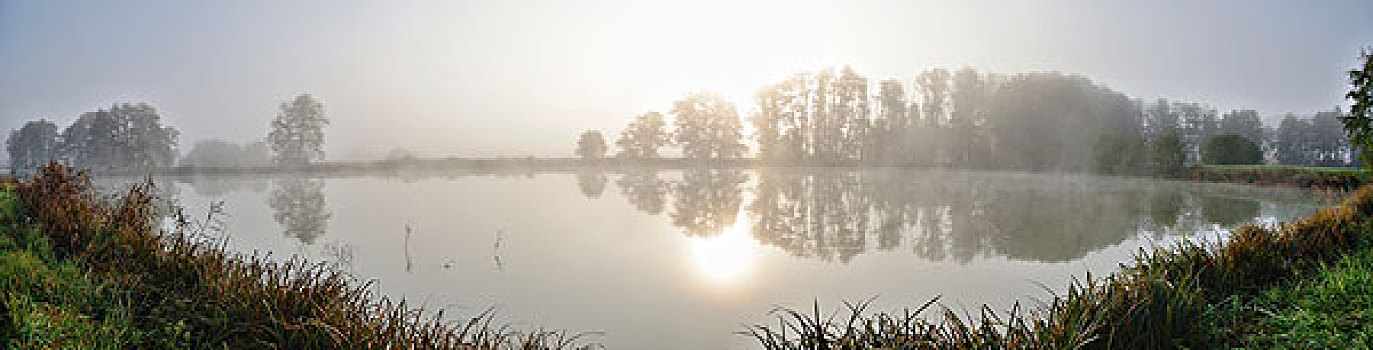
(221, 299)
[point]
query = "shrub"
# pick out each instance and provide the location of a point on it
(1167, 154)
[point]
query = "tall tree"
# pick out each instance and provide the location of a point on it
(851, 115)
(824, 129)
(89, 142)
(1199, 123)
(934, 89)
(591, 145)
(126, 136)
(32, 145)
(892, 105)
(1245, 123)
(708, 127)
(1292, 144)
(1160, 118)
(144, 142)
(1167, 153)
(1358, 124)
(892, 124)
(767, 124)
(1052, 121)
(644, 136)
(933, 86)
(1227, 149)
(785, 131)
(968, 100)
(1329, 145)
(297, 135)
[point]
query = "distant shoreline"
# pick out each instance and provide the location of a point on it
(481, 166)
(1342, 178)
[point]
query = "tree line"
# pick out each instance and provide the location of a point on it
(1043, 121)
(132, 137)
(124, 136)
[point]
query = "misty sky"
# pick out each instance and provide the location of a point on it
(515, 78)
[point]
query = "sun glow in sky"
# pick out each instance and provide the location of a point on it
(524, 77)
(731, 47)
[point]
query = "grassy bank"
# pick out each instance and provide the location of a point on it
(80, 271)
(1183, 296)
(1285, 175)
(46, 302)
(1332, 309)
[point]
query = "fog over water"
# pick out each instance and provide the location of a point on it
(687, 258)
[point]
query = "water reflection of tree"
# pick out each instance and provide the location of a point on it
(166, 196)
(298, 206)
(1228, 211)
(1057, 223)
(707, 201)
(212, 186)
(644, 190)
(838, 215)
(817, 215)
(1165, 207)
(592, 184)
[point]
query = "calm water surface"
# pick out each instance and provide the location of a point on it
(686, 259)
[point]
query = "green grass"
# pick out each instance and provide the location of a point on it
(50, 303)
(1330, 170)
(1337, 178)
(1333, 309)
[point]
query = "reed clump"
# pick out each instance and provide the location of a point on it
(1167, 297)
(178, 280)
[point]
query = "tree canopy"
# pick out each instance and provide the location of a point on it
(32, 145)
(708, 127)
(1359, 122)
(297, 132)
(644, 136)
(1230, 149)
(591, 145)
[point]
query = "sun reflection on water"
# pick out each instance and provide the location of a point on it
(727, 258)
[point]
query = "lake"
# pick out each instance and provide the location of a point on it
(686, 259)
